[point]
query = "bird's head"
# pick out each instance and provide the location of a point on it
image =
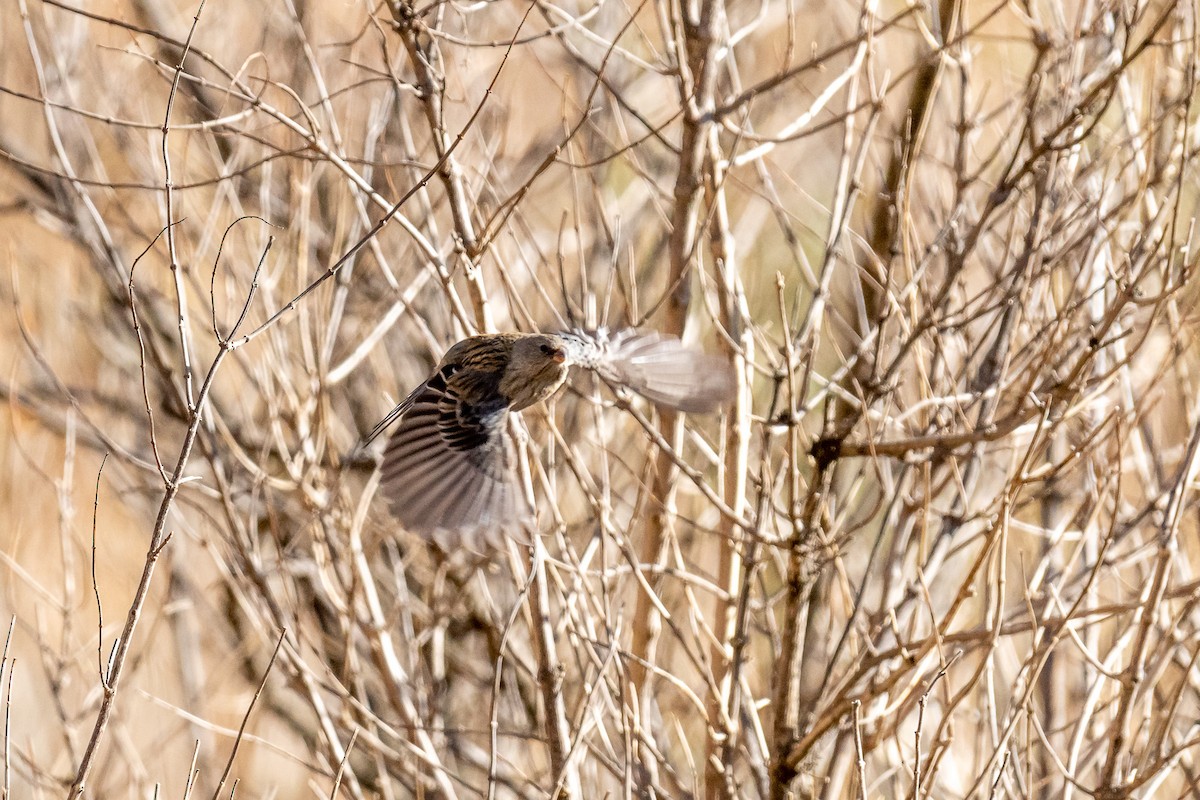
(537, 367)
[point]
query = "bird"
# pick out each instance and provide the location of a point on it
(449, 469)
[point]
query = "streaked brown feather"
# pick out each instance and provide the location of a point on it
(450, 465)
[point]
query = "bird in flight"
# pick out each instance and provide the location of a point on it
(450, 466)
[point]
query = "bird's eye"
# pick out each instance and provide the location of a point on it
(547, 350)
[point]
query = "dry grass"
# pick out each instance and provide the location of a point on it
(943, 544)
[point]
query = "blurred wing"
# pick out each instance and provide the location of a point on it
(450, 465)
(665, 370)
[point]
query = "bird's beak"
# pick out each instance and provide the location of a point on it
(559, 356)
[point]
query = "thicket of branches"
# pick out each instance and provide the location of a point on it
(942, 544)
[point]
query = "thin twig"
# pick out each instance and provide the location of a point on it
(237, 740)
(103, 674)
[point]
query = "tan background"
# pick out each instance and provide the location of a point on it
(1001, 226)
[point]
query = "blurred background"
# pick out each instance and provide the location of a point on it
(942, 543)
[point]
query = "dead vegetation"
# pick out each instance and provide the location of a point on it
(941, 545)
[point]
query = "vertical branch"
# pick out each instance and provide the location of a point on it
(1149, 606)
(733, 576)
(426, 61)
(697, 63)
(181, 300)
(159, 537)
(550, 679)
(806, 510)
(7, 666)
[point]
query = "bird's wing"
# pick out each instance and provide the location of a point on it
(450, 465)
(665, 370)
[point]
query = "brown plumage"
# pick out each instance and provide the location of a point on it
(450, 467)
